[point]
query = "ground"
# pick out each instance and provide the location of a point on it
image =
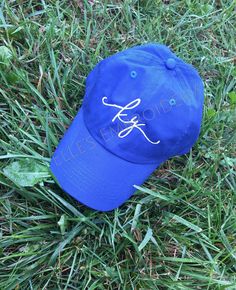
(179, 230)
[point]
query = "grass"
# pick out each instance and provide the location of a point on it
(179, 230)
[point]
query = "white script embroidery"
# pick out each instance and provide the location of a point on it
(134, 122)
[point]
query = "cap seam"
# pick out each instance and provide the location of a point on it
(188, 126)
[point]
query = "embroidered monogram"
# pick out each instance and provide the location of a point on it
(134, 122)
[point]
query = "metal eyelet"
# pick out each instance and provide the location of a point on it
(172, 102)
(133, 74)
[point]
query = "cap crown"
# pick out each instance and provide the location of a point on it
(144, 104)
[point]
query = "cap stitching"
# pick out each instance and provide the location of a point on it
(188, 126)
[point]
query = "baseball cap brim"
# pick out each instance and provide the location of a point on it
(93, 175)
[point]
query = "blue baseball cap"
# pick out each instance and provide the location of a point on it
(141, 106)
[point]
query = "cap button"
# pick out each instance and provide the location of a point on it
(170, 63)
